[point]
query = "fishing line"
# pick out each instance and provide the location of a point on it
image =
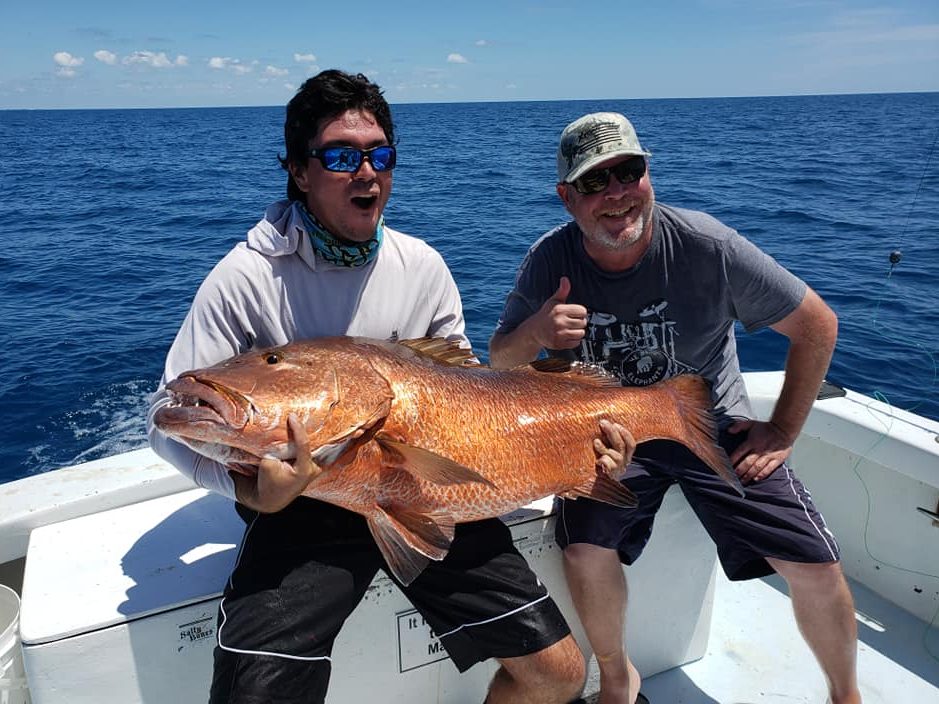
(895, 258)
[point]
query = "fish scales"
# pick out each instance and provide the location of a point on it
(416, 438)
(526, 435)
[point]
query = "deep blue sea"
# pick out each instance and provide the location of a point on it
(110, 219)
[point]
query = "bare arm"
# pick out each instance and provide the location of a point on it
(812, 329)
(507, 350)
(557, 325)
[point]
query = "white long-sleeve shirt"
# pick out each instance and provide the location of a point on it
(272, 289)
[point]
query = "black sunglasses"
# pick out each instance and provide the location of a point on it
(596, 180)
(349, 159)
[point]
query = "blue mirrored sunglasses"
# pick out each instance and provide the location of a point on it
(349, 159)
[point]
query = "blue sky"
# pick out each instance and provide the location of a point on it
(96, 53)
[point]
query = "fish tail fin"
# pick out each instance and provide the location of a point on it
(409, 540)
(692, 423)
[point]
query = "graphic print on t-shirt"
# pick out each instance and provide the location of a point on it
(640, 352)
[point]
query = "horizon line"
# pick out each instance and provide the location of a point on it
(486, 100)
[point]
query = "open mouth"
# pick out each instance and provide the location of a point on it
(620, 212)
(194, 400)
(210, 419)
(364, 202)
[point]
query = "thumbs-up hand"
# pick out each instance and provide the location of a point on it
(560, 325)
(564, 290)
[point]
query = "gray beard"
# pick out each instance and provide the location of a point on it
(603, 240)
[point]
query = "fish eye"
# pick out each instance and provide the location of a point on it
(272, 358)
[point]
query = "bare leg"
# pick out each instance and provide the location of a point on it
(598, 589)
(824, 611)
(554, 675)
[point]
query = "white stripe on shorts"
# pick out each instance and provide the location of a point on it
(221, 606)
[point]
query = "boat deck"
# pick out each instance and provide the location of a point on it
(756, 655)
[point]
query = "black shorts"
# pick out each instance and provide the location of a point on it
(302, 571)
(775, 519)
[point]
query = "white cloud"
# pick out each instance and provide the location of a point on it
(154, 59)
(67, 63)
(304, 58)
(457, 59)
(66, 60)
(222, 63)
(106, 57)
(160, 60)
(481, 42)
(290, 86)
(274, 71)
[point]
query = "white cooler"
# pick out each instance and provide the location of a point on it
(120, 607)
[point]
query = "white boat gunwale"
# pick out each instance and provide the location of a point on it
(893, 453)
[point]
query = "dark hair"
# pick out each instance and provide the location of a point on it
(326, 95)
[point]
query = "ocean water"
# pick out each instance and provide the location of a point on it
(111, 218)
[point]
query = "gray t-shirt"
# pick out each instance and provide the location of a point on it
(671, 313)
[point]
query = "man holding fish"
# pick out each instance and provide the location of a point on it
(650, 291)
(323, 263)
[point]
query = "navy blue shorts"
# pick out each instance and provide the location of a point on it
(301, 572)
(775, 519)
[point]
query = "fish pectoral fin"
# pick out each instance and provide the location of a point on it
(409, 540)
(603, 488)
(340, 449)
(426, 465)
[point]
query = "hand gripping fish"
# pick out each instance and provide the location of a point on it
(416, 436)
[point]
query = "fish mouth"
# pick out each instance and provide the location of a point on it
(196, 403)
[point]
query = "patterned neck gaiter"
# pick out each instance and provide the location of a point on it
(337, 251)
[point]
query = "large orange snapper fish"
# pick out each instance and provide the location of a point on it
(417, 436)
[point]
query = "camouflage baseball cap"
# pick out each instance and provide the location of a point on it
(592, 139)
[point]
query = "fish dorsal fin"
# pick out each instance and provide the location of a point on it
(424, 464)
(442, 351)
(602, 488)
(409, 540)
(588, 374)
